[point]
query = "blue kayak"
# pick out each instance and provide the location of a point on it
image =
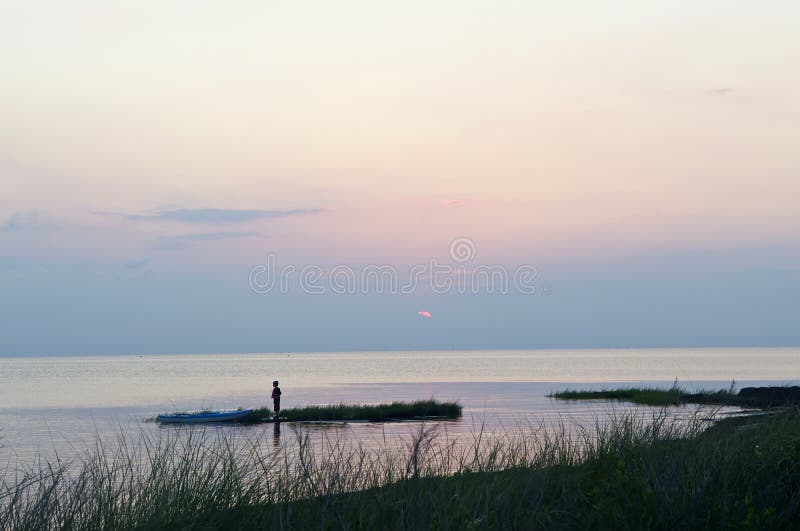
(205, 416)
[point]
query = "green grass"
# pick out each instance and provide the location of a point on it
(373, 413)
(632, 477)
(633, 473)
(639, 395)
(748, 397)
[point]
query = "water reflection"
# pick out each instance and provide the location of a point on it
(488, 407)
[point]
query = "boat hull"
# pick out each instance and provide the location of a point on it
(199, 418)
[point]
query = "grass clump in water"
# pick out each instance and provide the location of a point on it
(748, 397)
(641, 395)
(374, 413)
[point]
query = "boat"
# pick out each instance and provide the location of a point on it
(205, 416)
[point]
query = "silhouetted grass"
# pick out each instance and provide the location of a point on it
(632, 473)
(373, 413)
(641, 395)
(749, 397)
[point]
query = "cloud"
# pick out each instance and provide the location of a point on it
(722, 91)
(26, 221)
(135, 264)
(180, 240)
(207, 236)
(218, 215)
(425, 314)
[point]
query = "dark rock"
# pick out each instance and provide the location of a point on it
(770, 396)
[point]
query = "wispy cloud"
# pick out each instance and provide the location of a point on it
(722, 91)
(180, 240)
(218, 215)
(25, 221)
(135, 264)
(208, 236)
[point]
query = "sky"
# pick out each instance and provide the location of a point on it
(164, 165)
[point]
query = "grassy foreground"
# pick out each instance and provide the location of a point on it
(631, 474)
(374, 413)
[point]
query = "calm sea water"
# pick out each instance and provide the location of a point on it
(60, 405)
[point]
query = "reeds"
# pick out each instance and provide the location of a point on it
(367, 412)
(632, 472)
(650, 396)
(654, 396)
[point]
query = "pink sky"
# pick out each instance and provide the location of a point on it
(555, 131)
(616, 146)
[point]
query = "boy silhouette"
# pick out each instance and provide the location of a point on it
(276, 398)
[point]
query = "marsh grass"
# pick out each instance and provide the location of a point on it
(632, 472)
(674, 396)
(650, 396)
(373, 413)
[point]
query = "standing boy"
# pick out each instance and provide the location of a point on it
(276, 398)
